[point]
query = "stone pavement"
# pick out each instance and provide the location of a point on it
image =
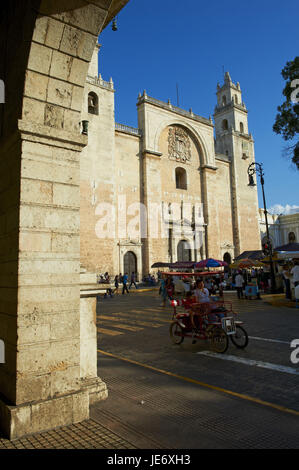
(89, 434)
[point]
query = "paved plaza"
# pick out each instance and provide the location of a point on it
(163, 396)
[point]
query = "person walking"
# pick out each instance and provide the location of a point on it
(286, 277)
(133, 280)
(163, 292)
(116, 284)
(295, 274)
(239, 285)
(125, 281)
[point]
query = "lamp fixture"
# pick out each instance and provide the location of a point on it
(114, 25)
(85, 127)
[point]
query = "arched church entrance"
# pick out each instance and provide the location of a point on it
(130, 263)
(184, 252)
(227, 258)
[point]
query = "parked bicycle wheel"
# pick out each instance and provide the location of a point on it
(176, 333)
(240, 339)
(219, 340)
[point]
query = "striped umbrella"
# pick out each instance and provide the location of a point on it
(210, 263)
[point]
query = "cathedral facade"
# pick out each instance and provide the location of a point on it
(174, 189)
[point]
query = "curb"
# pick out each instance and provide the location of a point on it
(150, 289)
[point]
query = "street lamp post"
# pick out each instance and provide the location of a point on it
(257, 168)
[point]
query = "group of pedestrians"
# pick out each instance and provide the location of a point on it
(124, 280)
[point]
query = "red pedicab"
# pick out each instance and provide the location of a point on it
(213, 321)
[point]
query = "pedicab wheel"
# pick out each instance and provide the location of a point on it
(240, 339)
(219, 340)
(176, 333)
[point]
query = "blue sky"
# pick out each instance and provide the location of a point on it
(163, 43)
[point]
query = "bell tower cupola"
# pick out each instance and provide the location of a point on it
(233, 140)
(230, 112)
(231, 119)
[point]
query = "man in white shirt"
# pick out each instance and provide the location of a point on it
(239, 285)
(286, 278)
(295, 274)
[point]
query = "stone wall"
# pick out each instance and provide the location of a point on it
(97, 183)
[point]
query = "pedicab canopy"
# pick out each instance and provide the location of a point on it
(197, 274)
(177, 265)
(206, 263)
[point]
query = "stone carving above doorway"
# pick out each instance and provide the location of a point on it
(179, 145)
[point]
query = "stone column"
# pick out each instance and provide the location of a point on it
(45, 381)
(45, 55)
(40, 380)
(49, 377)
(152, 199)
(210, 211)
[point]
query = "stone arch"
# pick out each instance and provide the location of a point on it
(93, 103)
(227, 258)
(291, 237)
(130, 263)
(135, 249)
(51, 59)
(46, 47)
(200, 142)
(184, 251)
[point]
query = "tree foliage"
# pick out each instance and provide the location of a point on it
(287, 121)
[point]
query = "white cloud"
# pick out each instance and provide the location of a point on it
(285, 210)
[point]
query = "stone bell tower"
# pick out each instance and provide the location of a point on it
(234, 140)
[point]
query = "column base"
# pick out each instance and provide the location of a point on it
(96, 388)
(19, 421)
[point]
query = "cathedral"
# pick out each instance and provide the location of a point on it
(173, 189)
